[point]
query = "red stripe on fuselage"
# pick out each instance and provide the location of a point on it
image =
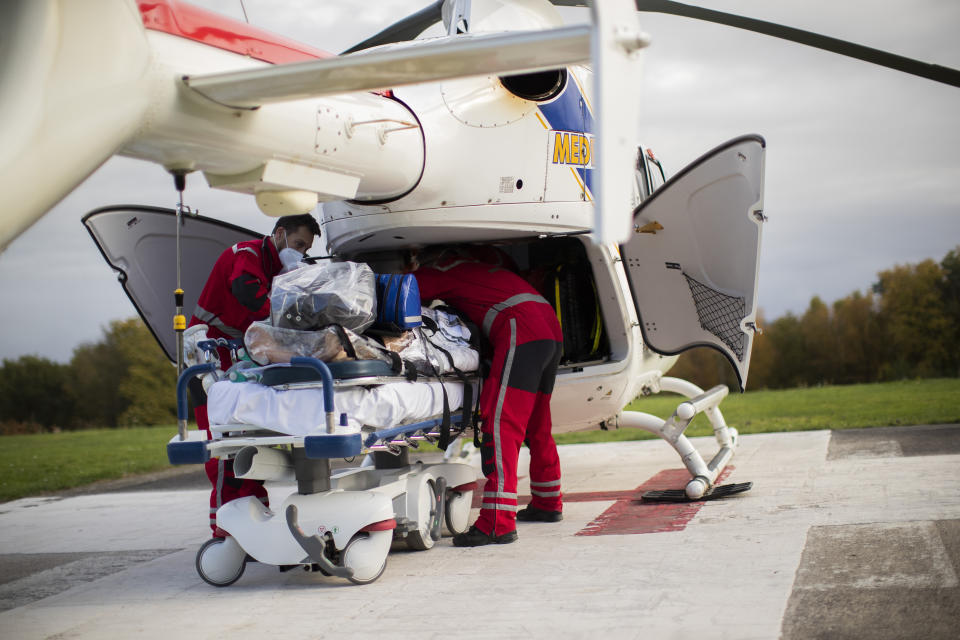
(212, 29)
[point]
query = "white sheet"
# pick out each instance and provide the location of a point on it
(301, 412)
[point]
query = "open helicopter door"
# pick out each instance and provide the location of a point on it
(140, 244)
(693, 256)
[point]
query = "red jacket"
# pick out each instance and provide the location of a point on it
(238, 289)
(482, 286)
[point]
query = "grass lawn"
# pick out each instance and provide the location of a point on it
(42, 463)
(837, 407)
(46, 462)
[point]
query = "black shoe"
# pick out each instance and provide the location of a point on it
(476, 538)
(533, 514)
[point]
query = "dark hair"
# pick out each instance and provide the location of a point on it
(291, 223)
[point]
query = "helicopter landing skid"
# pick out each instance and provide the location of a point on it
(680, 495)
(672, 430)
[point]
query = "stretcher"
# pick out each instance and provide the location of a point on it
(341, 522)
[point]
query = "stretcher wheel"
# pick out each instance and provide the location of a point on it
(420, 539)
(366, 554)
(221, 561)
(457, 512)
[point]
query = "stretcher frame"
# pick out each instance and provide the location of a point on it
(341, 523)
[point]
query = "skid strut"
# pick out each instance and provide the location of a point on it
(672, 430)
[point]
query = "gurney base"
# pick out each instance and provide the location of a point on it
(314, 546)
(347, 531)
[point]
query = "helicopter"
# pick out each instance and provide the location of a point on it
(379, 156)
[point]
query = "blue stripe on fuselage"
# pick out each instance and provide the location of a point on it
(569, 112)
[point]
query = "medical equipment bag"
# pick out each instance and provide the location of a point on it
(398, 302)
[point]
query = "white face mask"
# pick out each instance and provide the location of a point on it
(290, 258)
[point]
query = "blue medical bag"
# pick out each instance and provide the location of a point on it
(398, 302)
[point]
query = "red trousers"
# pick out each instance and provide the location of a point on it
(515, 408)
(226, 487)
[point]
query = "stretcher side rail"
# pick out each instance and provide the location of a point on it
(328, 445)
(187, 449)
(316, 446)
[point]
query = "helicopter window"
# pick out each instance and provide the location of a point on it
(657, 176)
(643, 184)
(649, 173)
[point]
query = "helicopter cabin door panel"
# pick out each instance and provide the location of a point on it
(693, 257)
(140, 243)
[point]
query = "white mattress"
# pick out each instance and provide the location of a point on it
(301, 412)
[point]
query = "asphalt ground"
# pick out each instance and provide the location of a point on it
(845, 534)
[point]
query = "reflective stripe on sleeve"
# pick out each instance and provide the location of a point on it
(211, 320)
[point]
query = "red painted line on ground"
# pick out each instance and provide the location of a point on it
(591, 496)
(629, 515)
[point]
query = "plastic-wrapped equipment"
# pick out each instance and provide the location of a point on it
(316, 295)
(268, 344)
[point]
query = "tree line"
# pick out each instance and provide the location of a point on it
(123, 380)
(907, 325)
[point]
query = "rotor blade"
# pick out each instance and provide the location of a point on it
(460, 56)
(926, 70)
(403, 30)
(934, 72)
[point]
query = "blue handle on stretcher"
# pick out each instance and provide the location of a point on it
(330, 444)
(188, 374)
(188, 452)
(425, 425)
(325, 375)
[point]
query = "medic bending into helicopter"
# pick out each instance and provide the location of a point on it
(515, 400)
(236, 294)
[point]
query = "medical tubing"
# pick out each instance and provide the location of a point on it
(327, 377)
(188, 374)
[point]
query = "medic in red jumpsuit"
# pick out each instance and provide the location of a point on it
(236, 294)
(515, 401)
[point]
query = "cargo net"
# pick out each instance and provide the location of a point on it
(719, 314)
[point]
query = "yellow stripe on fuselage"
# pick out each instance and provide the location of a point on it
(542, 121)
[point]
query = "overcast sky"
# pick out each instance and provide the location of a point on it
(862, 166)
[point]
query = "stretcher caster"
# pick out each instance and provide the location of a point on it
(457, 512)
(221, 561)
(422, 538)
(366, 555)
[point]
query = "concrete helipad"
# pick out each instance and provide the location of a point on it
(852, 534)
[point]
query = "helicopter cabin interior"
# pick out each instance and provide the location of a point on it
(560, 269)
